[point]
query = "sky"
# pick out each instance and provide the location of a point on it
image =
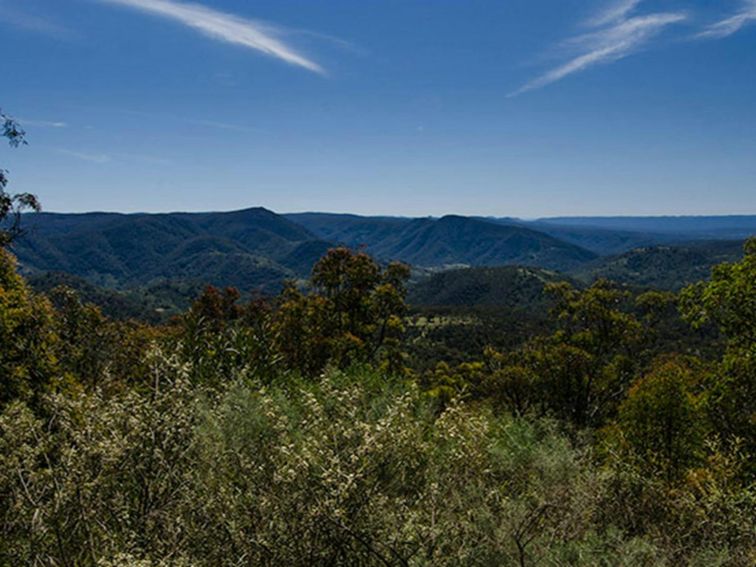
(524, 108)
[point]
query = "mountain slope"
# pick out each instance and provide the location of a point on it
(461, 240)
(604, 241)
(155, 304)
(256, 249)
(450, 240)
(664, 267)
(252, 248)
(351, 230)
(508, 286)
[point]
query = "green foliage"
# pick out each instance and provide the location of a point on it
(663, 420)
(602, 338)
(223, 340)
(292, 432)
(354, 315)
(91, 347)
(513, 287)
(153, 304)
(668, 267)
(456, 335)
(108, 477)
(28, 341)
(579, 372)
(351, 470)
(729, 301)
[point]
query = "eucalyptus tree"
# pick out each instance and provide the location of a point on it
(12, 205)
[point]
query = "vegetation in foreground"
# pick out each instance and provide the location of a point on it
(296, 433)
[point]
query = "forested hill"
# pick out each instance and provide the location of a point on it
(663, 267)
(252, 248)
(507, 286)
(256, 249)
(259, 249)
(460, 240)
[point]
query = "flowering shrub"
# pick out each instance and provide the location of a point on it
(354, 469)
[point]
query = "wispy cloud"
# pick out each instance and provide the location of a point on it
(616, 11)
(218, 25)
(84, 156)
(42, 123)
(615, 37)
(732, 24)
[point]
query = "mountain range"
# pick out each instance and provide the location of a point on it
(251, 249)
(447, 241)
(256, 249)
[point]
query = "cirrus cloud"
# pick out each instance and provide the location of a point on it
(614, 12)
(732, 24)
(225, 27)
(617, 35)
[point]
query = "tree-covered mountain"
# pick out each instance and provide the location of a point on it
(256, 249)
(663, 267)
(447, 241)
(600, 235)
(505, 286)
(250, 249)
(352, 230)
(156, 303)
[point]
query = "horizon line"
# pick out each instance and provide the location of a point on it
(403, 216)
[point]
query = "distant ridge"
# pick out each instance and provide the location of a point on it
(449, 240)
(256, 249)
(252, 249)
(725, 226)
(600, 235)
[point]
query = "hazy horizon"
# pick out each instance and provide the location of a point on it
(389, 215)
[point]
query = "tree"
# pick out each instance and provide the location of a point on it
(27, 337)
(221, 336)
(587, 364)
(662, 419)
(728, 300)
(593, 319)
(353, 314)
(12, 205)
(511, 382)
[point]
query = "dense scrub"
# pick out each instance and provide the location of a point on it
(350, 470)
(296, 432)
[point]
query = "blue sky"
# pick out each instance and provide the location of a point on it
(512, 107)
